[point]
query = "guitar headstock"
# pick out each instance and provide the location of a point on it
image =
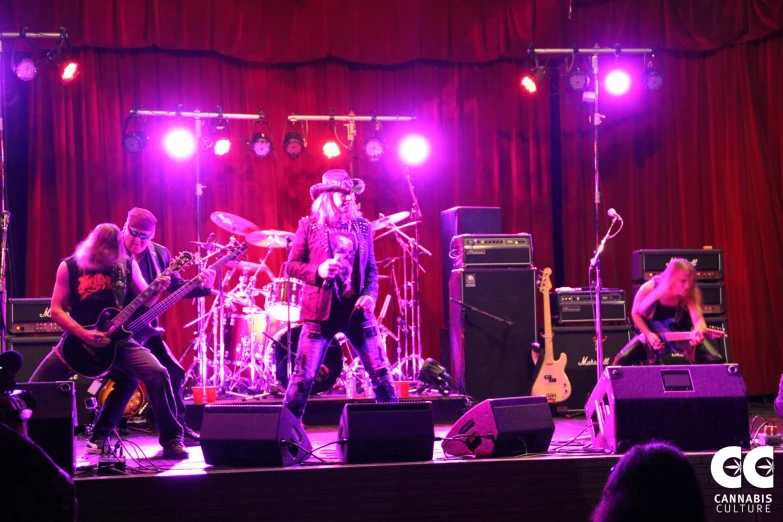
(182, 260)
(234, 248)
(545, 285)
(715, 333)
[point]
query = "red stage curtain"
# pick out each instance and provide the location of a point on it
(385, 33)
(698, 163)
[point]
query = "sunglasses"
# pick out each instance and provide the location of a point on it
(140, 235)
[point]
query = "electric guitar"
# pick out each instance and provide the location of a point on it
(141, 327)
(676, 341)
(552, 380)
(93, 362)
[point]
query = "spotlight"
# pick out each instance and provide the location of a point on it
(374, 144)
(578, 80)
(180, 143)
(434, 375)
(331, 149)
(26, 68)
(528, 82)
(67, 69)
(294, 143)
(136, 139)
(617, 82)
(414, 150)
(221, 137)
(260, 143)
(653, 78)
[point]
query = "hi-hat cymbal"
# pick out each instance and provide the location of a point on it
(384, 221)
(270, 238)
(244, 265)
(233, 223)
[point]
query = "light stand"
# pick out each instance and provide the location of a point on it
(596, 118)
(5, 216)
(201, 350)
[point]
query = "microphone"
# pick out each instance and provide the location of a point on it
(612, 213)
(329, 283)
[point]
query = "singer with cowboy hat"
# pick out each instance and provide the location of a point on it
(333, 254)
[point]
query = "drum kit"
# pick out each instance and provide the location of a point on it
(246, 347)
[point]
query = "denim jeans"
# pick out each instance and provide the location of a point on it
(134, 363)
(363, 334)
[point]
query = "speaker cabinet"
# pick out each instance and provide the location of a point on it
(697, 407)
(33, 350)
(252, 435)
(502, 428)
(489, 357)
(462, 220)
(578, 344)
(386, 432)
(53, 420)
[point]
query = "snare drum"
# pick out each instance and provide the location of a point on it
(283, 295)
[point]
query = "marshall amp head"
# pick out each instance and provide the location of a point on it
(714, 295)
(492, 250)
(31, 316)
(575, 305)
(647, 263)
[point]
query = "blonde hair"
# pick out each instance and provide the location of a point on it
(324, 211)
(694, 298)
(101, 249)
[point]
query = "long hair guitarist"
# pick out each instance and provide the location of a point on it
(670, 301)
(99, 275)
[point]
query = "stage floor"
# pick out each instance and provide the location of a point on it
(564, 484)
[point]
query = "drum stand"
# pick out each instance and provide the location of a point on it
(409, 325)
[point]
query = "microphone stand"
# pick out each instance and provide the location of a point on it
(595, 262)
(415, 325)
(504, 320)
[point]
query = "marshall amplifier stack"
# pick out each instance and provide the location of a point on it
(709, 272)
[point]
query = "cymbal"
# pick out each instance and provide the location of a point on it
(244, 265)
(232, 223)
(384, 221)
(382, 276)
(270, 238)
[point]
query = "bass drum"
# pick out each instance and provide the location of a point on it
(136, 405)
(327, 374)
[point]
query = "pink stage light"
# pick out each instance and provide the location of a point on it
(331, 149)
(222, 147)
(180, 144)
(617, 82)
(414, 150)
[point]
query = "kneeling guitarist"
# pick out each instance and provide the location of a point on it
(668, 303)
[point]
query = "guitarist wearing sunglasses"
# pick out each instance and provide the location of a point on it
(152, 258)
(97, 276)
(669, 302)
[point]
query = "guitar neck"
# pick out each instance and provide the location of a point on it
(129, 310)
(673, 337)
(172, 299)
(549, 351)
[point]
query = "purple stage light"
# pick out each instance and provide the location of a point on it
(180, 144)
(414, 150)
(222, 147)
(617, 82)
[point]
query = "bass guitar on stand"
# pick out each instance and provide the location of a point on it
(551, 381)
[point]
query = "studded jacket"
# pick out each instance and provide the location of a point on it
(311, 248)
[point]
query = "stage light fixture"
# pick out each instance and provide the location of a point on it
(260, 142)
(653, 78)
(414, 150)
(221, 136)
(617, 82)
(331, 149)
(67, 69)
(374, 144)
(578, 80)
(528, 83)
(294, 143)
(26, 68)
(180, 143)
(134, 137)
